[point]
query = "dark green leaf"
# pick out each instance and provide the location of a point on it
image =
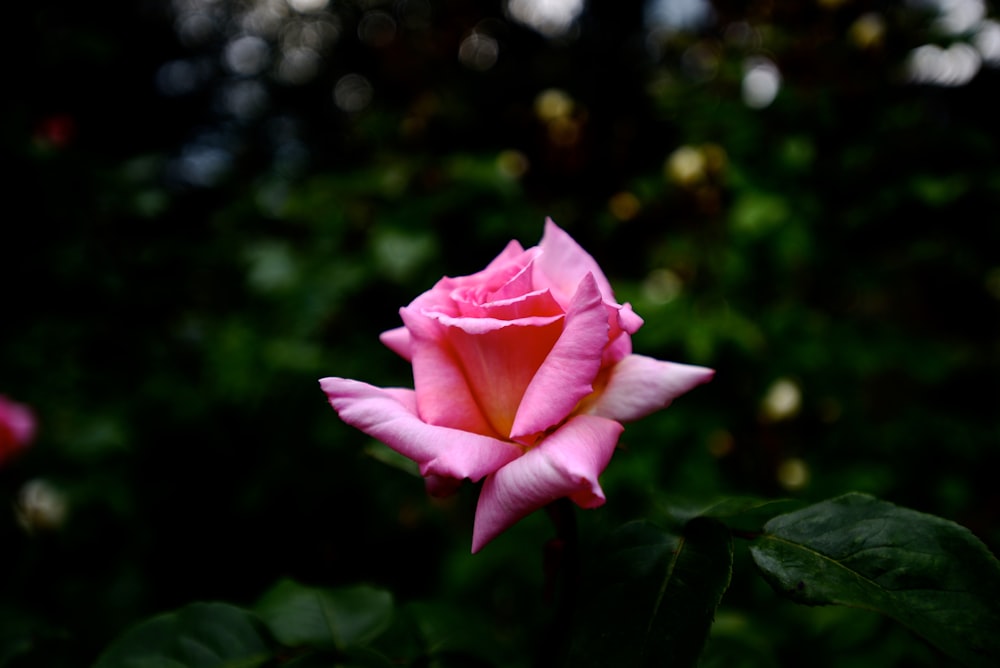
(200, 635)
(325, 618)
(932, 575)
(652, 596)
(743, 513)
(361, 657)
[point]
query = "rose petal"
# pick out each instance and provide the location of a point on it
(639, 385)
(628, 319)
(511, 252)
(444, 396)
(566, 463)
(477, 326)
(618, 349)
(519, 282)
(388, 415)
(567, 374)
(498, 363)
(538, 303)
(506, 267)
(623, 322)
(398, 341)
(563, 264)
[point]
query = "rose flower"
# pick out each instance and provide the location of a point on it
(17, 428)
(523, 374)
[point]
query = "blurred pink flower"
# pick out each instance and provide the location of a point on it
(17, 428)
(523, 373)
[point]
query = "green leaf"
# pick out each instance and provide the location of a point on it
(361, 657)
(651, 599)
(447, 630)
(200, 635)
(932, 575)
(743, 513)
(301, 616)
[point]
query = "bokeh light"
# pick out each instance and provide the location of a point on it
(678, 15)
(353, 93)
(479, 51)
(306, 6)
(955, 65)
(782, 401)
(377, 28)
(247, 55)
(761, 82)
(552, 18)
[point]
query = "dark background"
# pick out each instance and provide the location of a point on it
(189, 245)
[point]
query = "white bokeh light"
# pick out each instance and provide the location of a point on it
(298, 65)
(247, 55)
(306, 6)
(956, 17)
(552, 18)
(987, 42)
(678, 15)
(937, 66)
(761, 82)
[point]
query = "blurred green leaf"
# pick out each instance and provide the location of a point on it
(756, 213)
(652, 596)
(383, 453)
(449, 631)
(325, 618)
(932, 575)
(200, 635)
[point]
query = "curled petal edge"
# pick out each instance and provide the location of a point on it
(389, 415)
(398, 341)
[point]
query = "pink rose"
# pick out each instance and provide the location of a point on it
(523, 375)
(17, 428)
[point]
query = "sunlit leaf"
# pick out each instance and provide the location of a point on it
(301, 616)
(200, 635)
(652, 596)
(931, 574)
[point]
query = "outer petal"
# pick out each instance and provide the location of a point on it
(563, 264)
(566, 463)
(398, 341)
(389, 416)
(568, 372)
(639, 385)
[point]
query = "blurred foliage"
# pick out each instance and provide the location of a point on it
(186, 255)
